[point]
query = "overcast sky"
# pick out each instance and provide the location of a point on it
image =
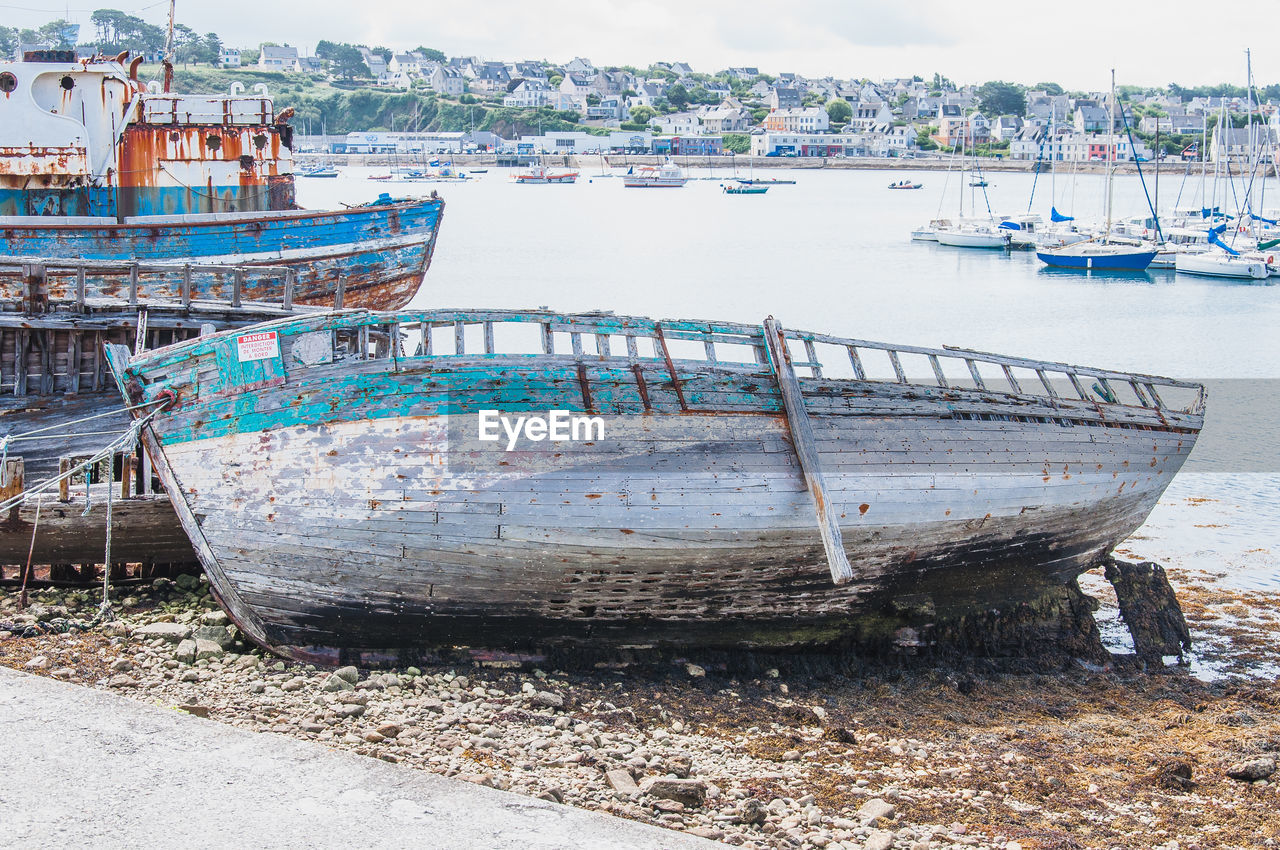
(1028, 42)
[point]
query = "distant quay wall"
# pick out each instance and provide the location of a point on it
(586, 162)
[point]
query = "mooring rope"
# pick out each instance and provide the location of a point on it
(31, 435)
(22, 597)
(105, 614)
(128, 438)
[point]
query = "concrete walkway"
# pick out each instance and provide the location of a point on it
(85, 768)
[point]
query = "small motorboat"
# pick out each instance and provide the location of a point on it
(739, 189)
(542, 175)
(906, 184)
(319, 171)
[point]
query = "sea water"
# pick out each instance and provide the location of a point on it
(833, 253)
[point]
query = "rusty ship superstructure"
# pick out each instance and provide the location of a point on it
(134, 215)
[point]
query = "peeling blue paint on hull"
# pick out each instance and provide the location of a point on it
(342, 506)
(380, 252)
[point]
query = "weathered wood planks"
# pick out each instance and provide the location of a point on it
(350, 506)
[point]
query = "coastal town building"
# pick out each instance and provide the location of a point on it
(446, 80)
(725, 119)
(803, 144)
(229, 57)
(528, 94)
(1243, 144)
(784, 97)
(677, 123)
(811, 119)
(403, 143)
(273, 58)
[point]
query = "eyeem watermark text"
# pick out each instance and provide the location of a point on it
(556, 426)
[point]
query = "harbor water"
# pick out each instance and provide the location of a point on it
(832, 253)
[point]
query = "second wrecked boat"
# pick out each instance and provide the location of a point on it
(330, 472)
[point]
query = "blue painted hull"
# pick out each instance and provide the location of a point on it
(1137, 261)
(379, 252)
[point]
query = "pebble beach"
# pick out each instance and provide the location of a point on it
(908, 753)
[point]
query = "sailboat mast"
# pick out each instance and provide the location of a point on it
(1111, 152)
(168, 48)
(1254, 158)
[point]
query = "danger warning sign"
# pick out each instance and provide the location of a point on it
(259, 346)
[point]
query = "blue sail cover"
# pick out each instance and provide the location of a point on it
(1257, 217)
(1214, 232)
(1010, 225)
(1054, 215)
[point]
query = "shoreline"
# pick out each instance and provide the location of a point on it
(919, 755)
(585, 162)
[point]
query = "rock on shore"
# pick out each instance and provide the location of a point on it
(970, 757)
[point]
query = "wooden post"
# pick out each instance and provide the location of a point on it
(126, 475)
(75, 352)
(237, 286)
(145, 487)
(64, 486)
(13, 481)
(338, 292)
(81, 285)
(133, 284)
(290, 281)
(806, 451)
(186, 285)
(22, 342)
(37, 292)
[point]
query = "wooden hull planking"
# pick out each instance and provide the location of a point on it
(341, 510)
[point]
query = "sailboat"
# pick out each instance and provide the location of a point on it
(1221, 259)
(1224, 262)
(972, 233)
(1103, 254)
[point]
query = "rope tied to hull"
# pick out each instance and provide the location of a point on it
(26, 572)
(128, 438)
(33, 435)
(105, 614)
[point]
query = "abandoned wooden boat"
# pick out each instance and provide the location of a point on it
(95, 165)
(339, 480)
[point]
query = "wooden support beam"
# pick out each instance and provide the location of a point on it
(897, 366)
(806, 449)
(75, 353)
(856, 362)
(237, 286)
(1013, 382)
(36, 276)
(64, 486)
(81, 286)
(133, 284)
(937, 371)
(340, 290)
(290, 281)
(13, 479)
(977, 376)
(186, 285)
(21, 344)
(125, 478)
(811, 352)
